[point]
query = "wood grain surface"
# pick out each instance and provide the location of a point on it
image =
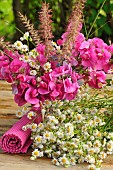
(22, 161)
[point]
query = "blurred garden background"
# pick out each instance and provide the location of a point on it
(9, 19)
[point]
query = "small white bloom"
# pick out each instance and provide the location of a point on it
(30, 114)
(110, 146)
(33, 127)
(32, 64)
(36, 153)
(47, 135)
(18, 45)
(55, 162)
(102, 155)
(64, 161)
(26, 58)
(60, 134)
(40, 146)
(24, 48)
(97, 144)
(26, 35)
(24, 128)
(19, 113)
(91, 151)
(33, 72)
(47, 66)
(69, 128)
(72, 161)
(38, 139)
(38, 79)
(92, 137)
(25, 109)
(79, 118)
(91, 167)
(92, 160)
(40, 126)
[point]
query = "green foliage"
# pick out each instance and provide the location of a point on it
(103, 26)
(6, 19)
(61, 12)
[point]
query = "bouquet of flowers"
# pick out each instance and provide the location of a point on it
(47, 80)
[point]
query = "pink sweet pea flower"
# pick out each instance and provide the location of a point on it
(43, 88)
(16, 65)
(20, 100)
(54, 94)
(40, 49)
(6, 74)
(13, 55)
(61, 70)
(4, 61)
(42, 59)
(97, 79)
(70, 89)
(31, 96)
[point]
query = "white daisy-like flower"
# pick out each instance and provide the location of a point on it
(97, 119)
(110, 135)
(47, 66)
(48, 103)
(102, 155)
(18, 45)
(26, 35)
(36, 153)
(38, 79)
(33, 127)
(26, 58)
(110, 146)
(97, 144)
(40, 146)
(30, 114)
(38, 139)
(79, 118)
(25, 109)
(97, 133)
(32, 64)
(24, 48)
(80, 152)
(91, 160)
(53, 120)
(55, 162)
(40, 126)
(72, 161)
(56, 154)
(69, 128)
(64, 161)
(91, 167)
(24, 128)
(33, 72)
(19, 113)
(91, 151)
(60, 134)
(47, 135)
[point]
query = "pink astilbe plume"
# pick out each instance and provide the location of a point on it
(45, 27)
(73, 28)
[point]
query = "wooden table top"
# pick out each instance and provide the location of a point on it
(22, 161)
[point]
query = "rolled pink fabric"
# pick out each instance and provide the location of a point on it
(15, 140)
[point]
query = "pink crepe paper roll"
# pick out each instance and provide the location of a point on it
(15, 140)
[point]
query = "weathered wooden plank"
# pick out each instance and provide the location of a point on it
(22, 161)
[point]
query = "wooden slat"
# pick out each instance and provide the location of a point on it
(22, 161)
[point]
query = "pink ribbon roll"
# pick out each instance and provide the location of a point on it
(15, 140)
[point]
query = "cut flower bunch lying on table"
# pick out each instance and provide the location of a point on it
(47, 80)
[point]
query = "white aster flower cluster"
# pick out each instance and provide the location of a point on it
(74, 132)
